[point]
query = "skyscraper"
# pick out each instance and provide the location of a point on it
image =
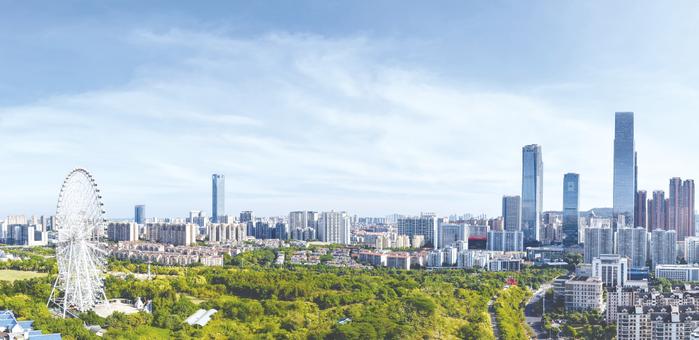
(512, 213)
(532, 191)
(571, 214)
(657, 219)
(140, 214)
(686, 219)
(673, 206)
(641, 214)
(624, 170)
(218, 197)
(425, 225)
(680, 208)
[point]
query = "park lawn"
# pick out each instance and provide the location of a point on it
(14, 275)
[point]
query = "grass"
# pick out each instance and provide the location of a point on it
(195, 300)
(14, 275)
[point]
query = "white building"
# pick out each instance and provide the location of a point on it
(691, 251)
(681, 272)
(334, 227)
(122, 231)
(613, 270)
(584, 293)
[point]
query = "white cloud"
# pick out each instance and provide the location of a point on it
(301, 121)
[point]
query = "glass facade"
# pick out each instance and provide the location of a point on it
(571, 215)
(512, 213)
(218, 199)
(140, 214)
(624, 170)
(532, 191)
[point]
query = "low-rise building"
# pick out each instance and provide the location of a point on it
(584, 293)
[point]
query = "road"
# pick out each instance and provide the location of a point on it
(534, 319)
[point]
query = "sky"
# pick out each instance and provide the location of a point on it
(373, 107)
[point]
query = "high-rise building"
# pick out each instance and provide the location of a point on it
(334, 227)
(246, 216)
(663, 247)
(122, 231)
(680, 207)
(505, 240)
(179, 234)
(140, 214)
(218, 197)
(657, 218)
(641, 214)
(532, 191)
(226, 232)
(686, 219)
(512, 212)
(425, 225)
(598, 241)
(691, 249)
(451, 233)
(571, 213)
(624, 170)
(633, 243)
(673, 206)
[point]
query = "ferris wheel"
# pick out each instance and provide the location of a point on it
(80, 256)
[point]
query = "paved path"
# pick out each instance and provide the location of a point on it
(493, 319)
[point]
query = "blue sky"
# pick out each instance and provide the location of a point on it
(370, 107)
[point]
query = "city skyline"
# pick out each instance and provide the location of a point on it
(371, 117)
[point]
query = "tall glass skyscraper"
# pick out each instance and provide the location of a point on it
(532, 191)
(512, 213)
(624, 170)
(571, 214)
(218, 197)
(140, 214)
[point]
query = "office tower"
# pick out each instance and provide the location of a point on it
(598, 241)
(505, 240)
(641, 214)
(612, 269)
(571, 214)
(140, 214)
(633, 243)
(179, 234)
(425, 225)
(334, 227)
(122, 231)
(218, 197)
(512, 212)
(663, 247)
(450, 233)
(532, 191)
(657, 219)
(624, 170)
(691, 249)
